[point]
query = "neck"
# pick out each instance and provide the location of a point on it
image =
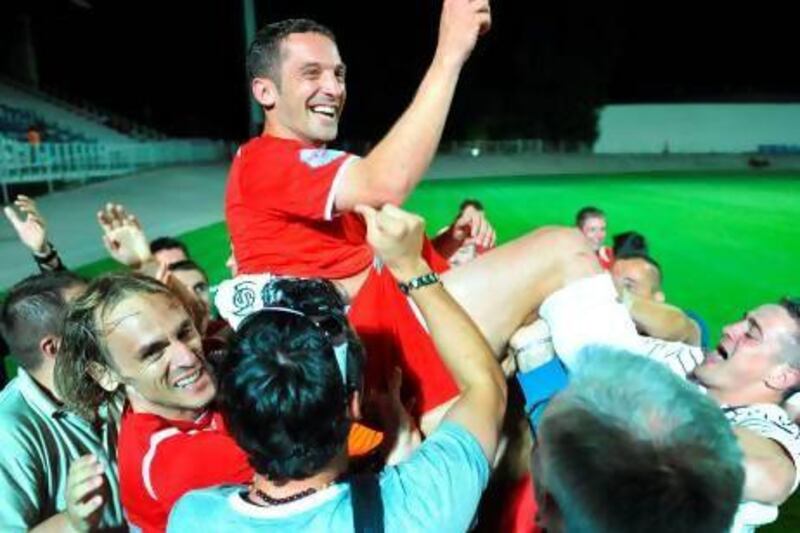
(140, 405)
(747, 396)
(275, 129)
(43, 376)
(292, 487)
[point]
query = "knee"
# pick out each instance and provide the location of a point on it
(569, 251)
(562, 241)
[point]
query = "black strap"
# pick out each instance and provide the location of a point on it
(365, 495)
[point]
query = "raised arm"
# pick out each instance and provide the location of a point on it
(31, 229)
(396, 237)
(389, 173)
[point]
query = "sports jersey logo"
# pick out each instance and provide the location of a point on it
(318, 157)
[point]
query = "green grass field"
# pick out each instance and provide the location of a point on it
(726, 241)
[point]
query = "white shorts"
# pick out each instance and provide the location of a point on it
(586, 314)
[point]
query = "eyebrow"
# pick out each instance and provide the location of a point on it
(150, 348)
(316, 64)
(752, 321)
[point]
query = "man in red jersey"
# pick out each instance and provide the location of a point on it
(289, 202)
(131, 334)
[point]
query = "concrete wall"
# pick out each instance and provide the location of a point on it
(696, 128)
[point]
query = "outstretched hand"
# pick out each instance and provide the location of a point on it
(31, 227)
(462, 22)
(123, 236)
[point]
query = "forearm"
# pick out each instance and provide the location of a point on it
(398, 162)
(58, 523)
(664, 321)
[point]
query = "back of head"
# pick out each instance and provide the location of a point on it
(83, 342)
(585, 213)
(167, 243)
(264, 54)
(187, 265)
(470, 202)
(629, 447)
(282, 391)
(33, 309)
(629, 242)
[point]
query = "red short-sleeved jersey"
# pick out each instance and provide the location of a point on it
(606, 257)
(160, 460)
(279, 208)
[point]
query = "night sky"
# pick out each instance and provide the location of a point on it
(541, 72)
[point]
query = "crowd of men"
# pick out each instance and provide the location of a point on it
(353, 374)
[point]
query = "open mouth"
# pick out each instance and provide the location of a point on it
(327, 111)
(722, 351)
(189, 379)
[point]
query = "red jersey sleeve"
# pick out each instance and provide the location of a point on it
(190, 461)
(283, 176)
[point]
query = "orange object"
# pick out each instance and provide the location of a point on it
(362, 440)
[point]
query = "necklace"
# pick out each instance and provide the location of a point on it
(271, 500)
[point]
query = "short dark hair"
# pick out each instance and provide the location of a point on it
(34, 308)
(629, 241)
(470, 202)
(281, 390)
(586, 213)
(186, 265)
(167, 243)
(264, 54)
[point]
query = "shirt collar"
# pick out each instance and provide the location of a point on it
(35, 394)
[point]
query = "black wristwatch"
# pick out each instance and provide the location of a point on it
(420, 281)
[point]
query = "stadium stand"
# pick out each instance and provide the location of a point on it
(58, 113)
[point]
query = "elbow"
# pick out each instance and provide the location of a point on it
(770, 489)
(394, 191)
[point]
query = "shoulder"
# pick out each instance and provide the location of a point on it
(201, 506)
(19, 421)
(769, 421)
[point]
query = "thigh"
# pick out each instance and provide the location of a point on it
(500, 289)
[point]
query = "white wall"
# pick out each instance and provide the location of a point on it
(696, 128)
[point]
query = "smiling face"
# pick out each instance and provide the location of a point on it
(752, 354)
(307, 102)
(595, 230)
(157, 355)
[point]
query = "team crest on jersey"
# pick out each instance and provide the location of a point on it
(319, 157)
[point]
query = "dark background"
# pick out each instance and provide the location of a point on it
(541, 72)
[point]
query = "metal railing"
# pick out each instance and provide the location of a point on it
(48, 162)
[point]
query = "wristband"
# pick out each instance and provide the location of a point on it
(420, 281)
(49, 256)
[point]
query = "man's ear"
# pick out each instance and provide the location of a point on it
(48, 346)
(265, 92)
(104, 376)
(783, 378)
